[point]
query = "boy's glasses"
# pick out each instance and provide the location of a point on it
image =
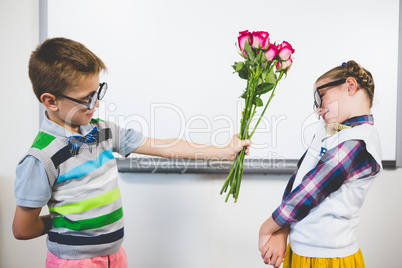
(97, 95)
(318, 96)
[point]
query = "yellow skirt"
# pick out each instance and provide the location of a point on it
(292, 260)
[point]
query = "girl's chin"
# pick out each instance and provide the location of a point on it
(329, 121)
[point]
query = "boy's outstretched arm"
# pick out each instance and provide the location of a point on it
(28, 224)
(177, 148)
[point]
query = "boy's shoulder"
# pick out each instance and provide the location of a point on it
(46, 141)
(42, 140)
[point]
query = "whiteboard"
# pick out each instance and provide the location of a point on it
(169, 63)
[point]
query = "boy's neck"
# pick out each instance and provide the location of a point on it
(64, 124)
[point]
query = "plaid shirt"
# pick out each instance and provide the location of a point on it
(327, 176)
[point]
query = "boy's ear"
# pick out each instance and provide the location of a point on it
(353, 86)
(50, 102)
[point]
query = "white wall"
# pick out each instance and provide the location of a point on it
(19, 122)
(175, 220)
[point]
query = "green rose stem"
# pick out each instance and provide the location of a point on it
(266, 106)
(236, 173)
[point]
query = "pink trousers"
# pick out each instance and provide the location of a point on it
(117, 260)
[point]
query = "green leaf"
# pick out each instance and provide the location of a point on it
(271, 78)
(238, 66)
(256, 61)
(249, 51)
(264, 61)
(258, 101)
(244, 95)
(243, 74)
(259, 81)
(264, 88)
(265, 73)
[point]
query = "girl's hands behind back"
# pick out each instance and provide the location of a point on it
(276, 248)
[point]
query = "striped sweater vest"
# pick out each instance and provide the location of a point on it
(85, 204)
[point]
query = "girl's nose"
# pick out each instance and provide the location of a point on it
(319, 111)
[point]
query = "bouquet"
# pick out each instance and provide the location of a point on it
(264, 65)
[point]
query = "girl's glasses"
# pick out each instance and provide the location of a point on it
(97, 95)
(318, 96)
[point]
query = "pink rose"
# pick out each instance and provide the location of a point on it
(243, 38)
(284, 65)
(271, 52)
(260, 40)
(285, 50)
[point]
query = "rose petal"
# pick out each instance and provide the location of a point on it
(284, 65)
(285, 50)
(245, 36)
(260, 40)
(285, 53)
(271, 52)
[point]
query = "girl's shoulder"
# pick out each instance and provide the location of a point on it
(365, 132)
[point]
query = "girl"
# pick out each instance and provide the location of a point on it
(321, 202)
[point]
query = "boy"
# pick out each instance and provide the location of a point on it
(70, 166)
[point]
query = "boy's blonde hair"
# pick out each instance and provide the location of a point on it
(355, 70)
(60, 64)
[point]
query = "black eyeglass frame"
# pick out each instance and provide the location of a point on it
(317, 91)
(97, 95)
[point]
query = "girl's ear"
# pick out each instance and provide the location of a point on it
(50, 102)
(353, 86)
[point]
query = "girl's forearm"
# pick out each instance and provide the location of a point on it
(269, 227)
(283, 231)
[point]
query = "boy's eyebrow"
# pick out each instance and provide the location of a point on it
(87, 94)
(80, 95)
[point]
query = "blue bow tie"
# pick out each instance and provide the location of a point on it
(75, 142)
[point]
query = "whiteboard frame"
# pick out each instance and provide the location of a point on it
(255, 166)
(398, 156)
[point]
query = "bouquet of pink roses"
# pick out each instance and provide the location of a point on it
(263, 67)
